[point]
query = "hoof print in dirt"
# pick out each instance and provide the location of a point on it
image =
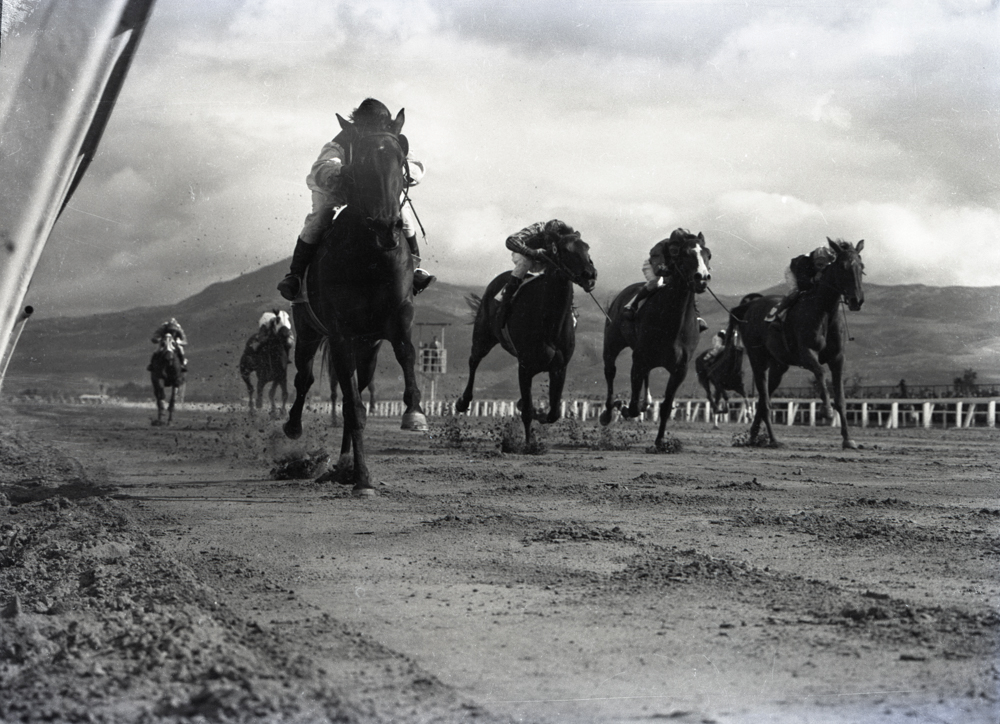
(300, 466)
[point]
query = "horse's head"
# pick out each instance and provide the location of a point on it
(573, 260)
(689, 258)
(845, 271)
(375, 175)
(167, 344)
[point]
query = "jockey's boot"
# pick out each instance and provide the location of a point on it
(421, 277)
(292, 283)
(508, 298)
(629, 310)
(702, 324)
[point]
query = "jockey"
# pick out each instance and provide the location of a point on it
(718, 344)
(173, 327)
(528, 247)
(269, 324)
(654, 269)
(801, 276)
(324, 183)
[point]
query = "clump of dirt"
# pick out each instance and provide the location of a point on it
(580, 532)
(300, 465)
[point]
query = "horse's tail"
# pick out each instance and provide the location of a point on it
(475, 303)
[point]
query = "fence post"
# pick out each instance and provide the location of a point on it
(893, 416)
(970, 415)
(864, 414)
(958, 414)
(991, 413)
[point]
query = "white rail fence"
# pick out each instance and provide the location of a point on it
(865, 412)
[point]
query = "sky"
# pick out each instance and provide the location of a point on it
(767, 126)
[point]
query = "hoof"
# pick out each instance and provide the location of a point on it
(156, 423)
(415, 421)
(850, 445)
(606, 418)
(462, 406)
(293, 432)
(365, 491)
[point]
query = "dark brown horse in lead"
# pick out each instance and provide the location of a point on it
(811, 336)
(360, 292)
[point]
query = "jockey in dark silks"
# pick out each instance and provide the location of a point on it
(802, 274)
(654, 269)
(528, 247)
(173, 328)
(324, 181)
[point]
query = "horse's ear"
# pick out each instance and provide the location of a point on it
(701, 236)
(397, 124)
(345, 125)
(860, 246)
(833, 244)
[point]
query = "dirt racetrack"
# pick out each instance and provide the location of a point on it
(161, 574)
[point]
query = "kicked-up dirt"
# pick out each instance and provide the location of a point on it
(165, 575)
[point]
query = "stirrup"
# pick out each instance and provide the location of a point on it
(702, 325)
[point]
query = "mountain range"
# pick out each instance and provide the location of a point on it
(926, 335)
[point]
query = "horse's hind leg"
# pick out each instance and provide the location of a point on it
(612, 348)
(482, 342)
(524, 378)
(170, 408)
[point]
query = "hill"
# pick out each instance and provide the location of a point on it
(927, 335)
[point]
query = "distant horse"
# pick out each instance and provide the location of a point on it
(811, 336)
(720, 372)
(268, 358)
(664, 332)
(165, 370)
(359, 288)
(540, 330)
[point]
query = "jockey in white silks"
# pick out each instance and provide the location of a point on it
(173, 328)
(324, 182)
(270, 323)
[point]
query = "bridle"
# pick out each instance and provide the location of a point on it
(555, 261)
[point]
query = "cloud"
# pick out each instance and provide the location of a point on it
(767, 127)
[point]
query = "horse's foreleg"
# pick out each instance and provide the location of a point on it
(837, 372)
(667, 406)
(170, 408)
(305, 351)
(810, 361)
(773, 372)
(638, 378)
(557, 380)
(344, 366)
(413, 415)
(524, 378)
(249, 384)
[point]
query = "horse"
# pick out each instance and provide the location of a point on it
(165, 370)
(268, 358)
(719, 372)
(358, 292)
(664, 332)
(541, 327)
(810, 336)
